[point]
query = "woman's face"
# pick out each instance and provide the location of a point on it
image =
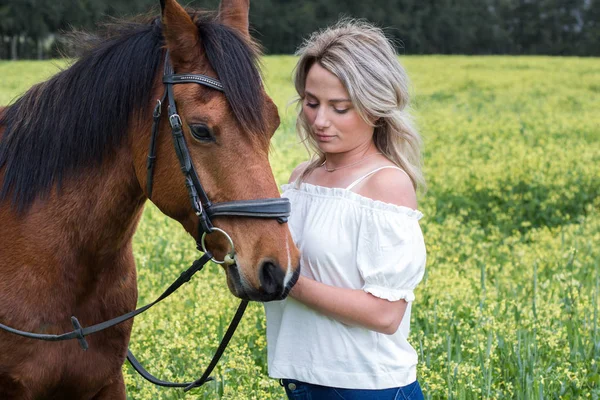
(336, 125)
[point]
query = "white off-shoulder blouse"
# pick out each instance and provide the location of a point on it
(350, 241)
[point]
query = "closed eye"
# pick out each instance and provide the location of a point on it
(344, 111)
(202, 133)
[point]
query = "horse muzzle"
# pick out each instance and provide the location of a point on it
(275, 284)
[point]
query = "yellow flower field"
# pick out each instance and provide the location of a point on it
(509, 307)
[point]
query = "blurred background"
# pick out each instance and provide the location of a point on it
(33, 29)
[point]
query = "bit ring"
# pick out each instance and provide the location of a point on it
(229, 257)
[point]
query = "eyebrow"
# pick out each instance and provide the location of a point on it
(331, 100)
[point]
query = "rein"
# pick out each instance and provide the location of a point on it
(274, 208)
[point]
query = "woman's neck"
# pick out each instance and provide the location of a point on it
(339, 160)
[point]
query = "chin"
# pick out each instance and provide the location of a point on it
(329, 148)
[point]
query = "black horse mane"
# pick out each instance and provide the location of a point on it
(80, 115)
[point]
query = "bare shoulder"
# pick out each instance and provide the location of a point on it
(298, 171)
(392, 186)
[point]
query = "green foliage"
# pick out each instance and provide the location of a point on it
(441, 27)
(554, 27)
(509, 305)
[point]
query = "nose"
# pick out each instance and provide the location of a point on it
(321, 120)
(271, 278)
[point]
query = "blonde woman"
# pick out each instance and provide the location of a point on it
(342, 333)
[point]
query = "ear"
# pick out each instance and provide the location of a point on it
(180, 32)
(234, 13)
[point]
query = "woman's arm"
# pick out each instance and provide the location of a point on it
(355, 306)
(350, 306)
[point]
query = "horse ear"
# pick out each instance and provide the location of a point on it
(234, 13)
(180, 32)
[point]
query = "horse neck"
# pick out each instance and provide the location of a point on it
(88, 222)
(104, 205)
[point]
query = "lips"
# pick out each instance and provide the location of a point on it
(324, 138)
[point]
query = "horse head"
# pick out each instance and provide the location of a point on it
(225, 132)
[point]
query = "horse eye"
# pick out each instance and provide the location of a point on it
(202, 133)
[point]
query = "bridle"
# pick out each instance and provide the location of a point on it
(274, 208)
(278, 208)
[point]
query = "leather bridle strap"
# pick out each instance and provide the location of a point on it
(204, 80)
(80, 333)
(206, 375)
(152, 151)
(275, 208)
(263, 208)
(196, 192)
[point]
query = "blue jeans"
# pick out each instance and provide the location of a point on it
(297, 390)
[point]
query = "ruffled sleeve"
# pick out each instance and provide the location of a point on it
(391, 253)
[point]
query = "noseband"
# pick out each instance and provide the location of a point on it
(276, 208)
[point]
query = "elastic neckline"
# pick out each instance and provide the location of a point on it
(339, 192)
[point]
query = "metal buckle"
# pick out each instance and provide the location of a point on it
(198, 206)
(157, 109)
(175, 121)
(229, 257)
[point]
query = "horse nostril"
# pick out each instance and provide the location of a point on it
(271, 278)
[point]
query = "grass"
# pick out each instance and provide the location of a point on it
(509, 305)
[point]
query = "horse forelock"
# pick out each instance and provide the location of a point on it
(236, 63)
(81, 114)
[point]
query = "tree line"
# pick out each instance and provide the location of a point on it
(34, 28)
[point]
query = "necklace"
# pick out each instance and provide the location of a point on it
(324, 165)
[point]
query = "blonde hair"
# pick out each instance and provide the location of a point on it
(364, 60)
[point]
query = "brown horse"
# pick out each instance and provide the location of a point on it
(73, 180)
